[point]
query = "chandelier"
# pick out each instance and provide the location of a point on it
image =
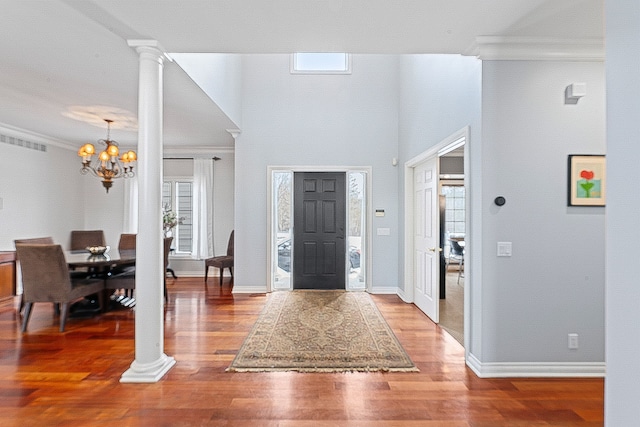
(107, 166)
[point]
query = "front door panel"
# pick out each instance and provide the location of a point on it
(319, 230)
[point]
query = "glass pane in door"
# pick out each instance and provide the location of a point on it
(283, 260)
(356, 226)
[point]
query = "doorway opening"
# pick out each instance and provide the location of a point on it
(305, 205)
(453, 234)
(432, 222)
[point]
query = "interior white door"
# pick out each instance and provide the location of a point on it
(426, 238)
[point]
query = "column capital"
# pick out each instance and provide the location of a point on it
(149, 46)
(235, 133)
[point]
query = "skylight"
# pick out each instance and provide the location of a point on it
(320, 63)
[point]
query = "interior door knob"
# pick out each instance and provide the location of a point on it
(435, 249)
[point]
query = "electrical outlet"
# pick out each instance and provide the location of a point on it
(573, 341)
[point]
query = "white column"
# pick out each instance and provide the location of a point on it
(150, 362)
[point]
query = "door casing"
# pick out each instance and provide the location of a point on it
(367, 232)
(407, 293)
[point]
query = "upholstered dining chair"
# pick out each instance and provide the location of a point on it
(80, 239)
(221, 262)
(46, 278)
(127, 242)
(35, 240)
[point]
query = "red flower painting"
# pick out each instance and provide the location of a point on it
(588, 185)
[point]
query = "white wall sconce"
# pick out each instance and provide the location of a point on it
(574, 92)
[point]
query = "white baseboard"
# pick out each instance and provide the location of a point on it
(249, 289)
(384, 290)
(403, 296)
(536, 370)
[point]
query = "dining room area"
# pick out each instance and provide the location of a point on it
(52, 198)
(87, 279)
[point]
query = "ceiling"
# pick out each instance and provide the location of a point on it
(61, 54)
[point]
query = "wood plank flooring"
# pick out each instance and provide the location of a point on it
(72, 379)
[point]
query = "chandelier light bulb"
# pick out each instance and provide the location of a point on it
(113, 150)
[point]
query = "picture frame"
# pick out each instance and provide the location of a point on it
(587, 181)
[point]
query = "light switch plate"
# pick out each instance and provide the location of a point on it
(504, 248)
(384, 231)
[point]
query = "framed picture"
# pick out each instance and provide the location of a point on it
(587, 180)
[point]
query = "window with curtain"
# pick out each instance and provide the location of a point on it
(177, 195)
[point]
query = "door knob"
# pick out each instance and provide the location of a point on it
(435, 249)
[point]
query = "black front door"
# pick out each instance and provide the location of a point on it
(319, 229)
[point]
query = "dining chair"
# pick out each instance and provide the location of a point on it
(35, 240)
(46, 278)
(221, 262)
(456, 252)
(127, 242)
(81, 239)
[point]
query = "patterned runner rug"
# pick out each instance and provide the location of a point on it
(321, 331)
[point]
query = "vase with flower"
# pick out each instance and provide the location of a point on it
(169, 221)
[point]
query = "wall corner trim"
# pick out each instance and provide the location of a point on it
(536, 369)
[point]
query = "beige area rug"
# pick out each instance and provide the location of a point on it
(321, 331)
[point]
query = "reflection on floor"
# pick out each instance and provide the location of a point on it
(452, 307)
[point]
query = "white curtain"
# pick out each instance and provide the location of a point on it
(130, 223)
(202, 208)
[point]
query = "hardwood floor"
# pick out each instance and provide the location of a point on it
(49, 378)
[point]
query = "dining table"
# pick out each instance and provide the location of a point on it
(82, 261)
(113, 258)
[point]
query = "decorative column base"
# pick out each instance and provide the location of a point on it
(149, 372)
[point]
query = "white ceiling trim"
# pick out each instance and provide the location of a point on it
(26, 135)
(190, 152)
(494, 48)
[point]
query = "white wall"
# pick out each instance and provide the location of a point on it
(224, 88)
(39, 190)
(440, 94)
(317, 120)
(554, 282)
(622, 388)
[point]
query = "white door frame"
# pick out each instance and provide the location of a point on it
(437, 150)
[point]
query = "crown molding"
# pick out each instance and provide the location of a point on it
(25, 137)
(189, 152)
(496, 48)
